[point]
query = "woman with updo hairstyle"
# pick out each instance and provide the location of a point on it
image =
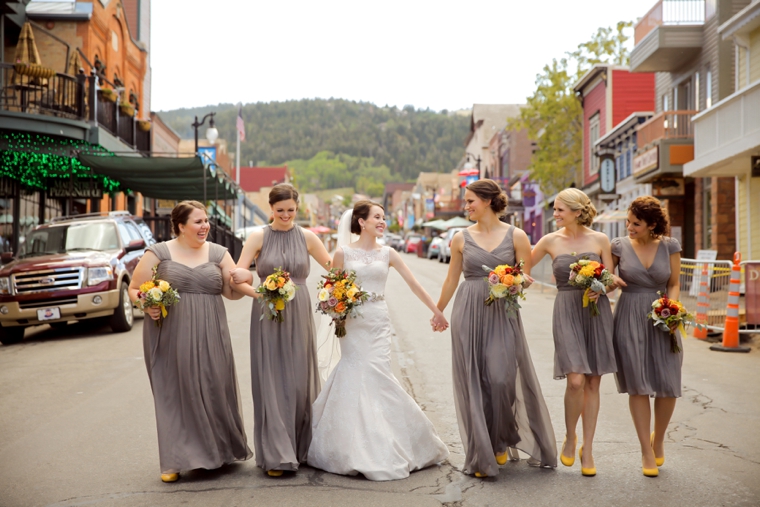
(497, 395)
(649, 262)
(188, 353)
(284, 375)
(583, 350)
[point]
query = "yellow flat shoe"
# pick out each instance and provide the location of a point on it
(650, 472)
(480, 475)
(658, 461)
(501, 459)
(170, 477)
(274, 473)
(586, 472)
(568, 462)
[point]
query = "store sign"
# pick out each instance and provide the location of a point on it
(77, 188)
(648, 160)
(607, 175)
(528, 195)
(668, 187)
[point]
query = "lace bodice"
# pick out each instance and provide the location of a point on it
(371, 267)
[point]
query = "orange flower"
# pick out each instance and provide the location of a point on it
(508, 280)
(340, 307)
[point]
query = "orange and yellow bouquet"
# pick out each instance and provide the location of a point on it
(508, 283)
(158, 293)
(592, 276)
(340, 297)
(276, 290)
(670, 315)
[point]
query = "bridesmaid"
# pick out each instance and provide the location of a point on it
(189, 357)
(583, 349)
(497, 395)
(284, 375)
(649, 262)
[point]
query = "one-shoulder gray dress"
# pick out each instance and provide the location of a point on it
(497, 395)
(582, 343)
(192, 370)
(284, 374)
(646, 365)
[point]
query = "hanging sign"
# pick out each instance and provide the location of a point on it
(607, 175)
(78, 188)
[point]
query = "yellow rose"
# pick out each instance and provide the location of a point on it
(499, 290)
(164, 286)
(145, 287)
(323, 295)
(587, 271)
(279, 304)
(271, 285)
(352, 292)
(500, 270)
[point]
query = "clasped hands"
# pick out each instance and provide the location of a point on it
(617, 283)
(439, 322)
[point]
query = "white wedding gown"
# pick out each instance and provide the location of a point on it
(363, 420)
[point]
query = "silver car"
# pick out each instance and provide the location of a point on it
(445, 254)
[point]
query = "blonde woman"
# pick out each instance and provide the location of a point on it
(582, 343)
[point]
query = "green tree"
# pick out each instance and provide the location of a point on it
(553, 115)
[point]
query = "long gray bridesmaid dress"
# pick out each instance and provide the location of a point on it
(497, 395)
(646, 365)
(582, 343)
(192, 370)
(284, 374)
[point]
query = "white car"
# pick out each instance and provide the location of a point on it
(445, 255)
(434, 250)
(244, 232)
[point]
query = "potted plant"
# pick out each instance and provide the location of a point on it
(144, 125)
(108, 94)
(127, 109)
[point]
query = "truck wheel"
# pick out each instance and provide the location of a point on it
(123, 317)
(11, 335)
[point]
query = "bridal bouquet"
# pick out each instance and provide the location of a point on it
(669, 315)
(276, 290)
(507, 283)
(592, 276)
(158, 293)
(339, 297)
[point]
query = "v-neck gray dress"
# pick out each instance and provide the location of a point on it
(284, 374)
(646, 365)
(582, 343)
(497, 395)
(192, 370)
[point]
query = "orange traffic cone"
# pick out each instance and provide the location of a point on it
(703, 304)
(731, 328)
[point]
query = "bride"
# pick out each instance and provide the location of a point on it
(363, 420)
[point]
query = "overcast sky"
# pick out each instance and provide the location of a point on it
(430, 54)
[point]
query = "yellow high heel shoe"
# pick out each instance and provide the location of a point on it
(480, 475)
(586, 472)
(274, 473)
(568, 462)
(501, 459)
(170, 477)
(658, 461)
(650, 472)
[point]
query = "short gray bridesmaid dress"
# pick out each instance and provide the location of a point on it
(192, 370)
(646, 365)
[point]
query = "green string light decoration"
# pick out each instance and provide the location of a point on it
(33, 158)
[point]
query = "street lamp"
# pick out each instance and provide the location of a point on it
(477, 161)
(211, 135)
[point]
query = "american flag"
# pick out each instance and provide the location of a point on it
(240, 124)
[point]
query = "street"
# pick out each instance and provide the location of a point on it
(78, 426)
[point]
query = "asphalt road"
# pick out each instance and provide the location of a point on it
(77, 427)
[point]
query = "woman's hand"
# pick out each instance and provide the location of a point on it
(617, 282)
(153, 311)
(241, 275)
(529, 280)
(439, 322)
(593, 295)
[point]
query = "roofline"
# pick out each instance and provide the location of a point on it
(749, 15)
(623, 125)
(154, 114)
(593, 71)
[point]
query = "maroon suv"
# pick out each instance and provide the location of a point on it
(73, 268)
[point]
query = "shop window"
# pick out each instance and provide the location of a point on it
(593, 137)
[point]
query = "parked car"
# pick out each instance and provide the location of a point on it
(445, 254)
(396, 242)
(413, 242)
(73, 268)
(434, 250)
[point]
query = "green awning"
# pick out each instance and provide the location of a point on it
(162, 177)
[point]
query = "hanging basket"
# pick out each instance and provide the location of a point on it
(144, 125)
(33, 70)
(108, 94)
(127, 109)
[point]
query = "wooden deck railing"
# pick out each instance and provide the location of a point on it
(666, 125)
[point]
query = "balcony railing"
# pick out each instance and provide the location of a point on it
(666, 125)
(71, 97)
(670, 12)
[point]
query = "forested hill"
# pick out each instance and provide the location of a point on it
(406, 140)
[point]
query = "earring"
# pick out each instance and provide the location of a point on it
(362, 227)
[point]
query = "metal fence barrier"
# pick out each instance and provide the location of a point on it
(719, 280)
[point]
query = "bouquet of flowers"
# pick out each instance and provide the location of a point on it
(592, 276)
(158, 293)
(507, 283)
(669, 315)
(340, 297)
(276, 290)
